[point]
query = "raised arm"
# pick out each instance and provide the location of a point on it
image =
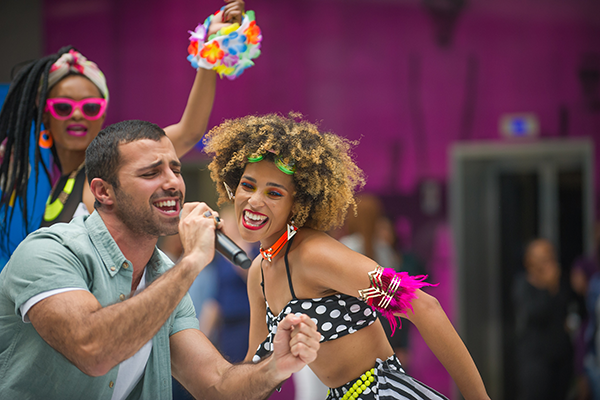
(96, 338)
(194, 121)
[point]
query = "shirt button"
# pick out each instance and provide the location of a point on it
(111, 384)
(112, 268)
(121, 297)
(125, 265)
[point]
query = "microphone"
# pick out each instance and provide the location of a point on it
(231, 251)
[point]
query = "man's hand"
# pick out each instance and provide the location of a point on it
(197, 232)
(233, 12)
(295, 344)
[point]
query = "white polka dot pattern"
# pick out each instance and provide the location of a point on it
(335, 316)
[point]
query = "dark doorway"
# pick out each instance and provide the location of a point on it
(519, 224)
(519, 210)
(503, 196)
(570, 217)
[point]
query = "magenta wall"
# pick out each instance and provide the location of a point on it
(367, 69)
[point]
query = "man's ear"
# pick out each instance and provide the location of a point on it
(103, 192)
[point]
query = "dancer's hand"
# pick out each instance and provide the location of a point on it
(233, 12)
(295, 344)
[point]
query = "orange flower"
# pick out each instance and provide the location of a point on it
(193, 48)
(212, 52)
(253, 33)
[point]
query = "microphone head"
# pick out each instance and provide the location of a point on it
(242, 260)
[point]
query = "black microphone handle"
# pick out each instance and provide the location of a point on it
(231, 251)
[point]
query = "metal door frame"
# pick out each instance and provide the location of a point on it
(545, 157)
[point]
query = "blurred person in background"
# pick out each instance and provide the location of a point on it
(543, 349)
(372, 234)
(225, 316)
(585, 284)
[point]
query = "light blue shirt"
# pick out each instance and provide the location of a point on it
(81, 254)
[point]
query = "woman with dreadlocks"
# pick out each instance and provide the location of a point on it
(290, 183)
(55, 107)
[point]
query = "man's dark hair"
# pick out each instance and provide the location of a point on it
(102, 157)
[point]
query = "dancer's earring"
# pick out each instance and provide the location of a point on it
(46, 140)
(291, 230)
(229, 191)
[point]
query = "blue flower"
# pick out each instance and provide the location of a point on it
(235, 43)
(193, 61)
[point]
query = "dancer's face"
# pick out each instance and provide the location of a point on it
(263, 202)
(151, 189)
(75, 133)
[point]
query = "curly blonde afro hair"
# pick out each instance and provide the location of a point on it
(326, 177)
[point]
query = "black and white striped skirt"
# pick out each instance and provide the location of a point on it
(389, 382)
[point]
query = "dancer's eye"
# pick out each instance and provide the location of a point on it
(247, 186)
(274, 193)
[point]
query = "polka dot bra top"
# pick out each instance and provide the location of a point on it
(335, 316)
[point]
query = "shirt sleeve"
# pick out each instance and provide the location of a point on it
(39, 297)
(40, 264)
(185, 316)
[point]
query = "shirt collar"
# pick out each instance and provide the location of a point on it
(111, 254)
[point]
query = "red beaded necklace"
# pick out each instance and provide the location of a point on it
(272, 251)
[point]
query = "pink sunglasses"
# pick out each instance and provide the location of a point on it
(63, 108)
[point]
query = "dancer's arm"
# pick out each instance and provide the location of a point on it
(194, 121)
(345, 271)
(190, 129)
(441, 337)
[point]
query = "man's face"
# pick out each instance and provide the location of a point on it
(151, 189)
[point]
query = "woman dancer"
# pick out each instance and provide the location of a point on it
(290, 183)
(68, 94)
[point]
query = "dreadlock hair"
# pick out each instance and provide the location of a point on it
(23, 107)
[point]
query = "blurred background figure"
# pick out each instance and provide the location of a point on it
(585, 283)
(225, 316)
(544, 357)
(371, 233)
(201, 290)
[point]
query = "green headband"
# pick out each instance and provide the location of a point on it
(288, 169)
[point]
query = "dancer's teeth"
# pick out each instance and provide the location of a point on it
(254, 219)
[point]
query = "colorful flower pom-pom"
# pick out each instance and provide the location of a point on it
(230, 51)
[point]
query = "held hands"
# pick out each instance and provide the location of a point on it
(232, 13)
(197, 224)
(295, 344)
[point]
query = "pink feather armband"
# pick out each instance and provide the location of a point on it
(391, 292)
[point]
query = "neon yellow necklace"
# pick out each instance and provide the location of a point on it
(54, 209)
